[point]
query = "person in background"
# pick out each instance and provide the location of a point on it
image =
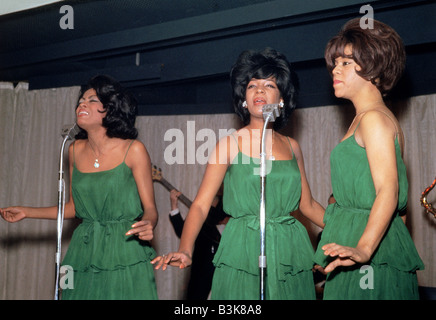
(111, 191)
(206, 245)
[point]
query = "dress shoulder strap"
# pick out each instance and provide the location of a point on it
(236, 140)
(74, 152)
(387, 115)
(125, 156)
(289, 141)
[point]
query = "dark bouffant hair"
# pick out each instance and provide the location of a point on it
(379, 51)
(120, 108)
(264, 64)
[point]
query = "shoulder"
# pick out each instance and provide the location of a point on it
(136, 153)
(225, 149)
(286, 139)
(378, 123)
(77, 146)
(136, 147)
(290, 141)
(230, 139)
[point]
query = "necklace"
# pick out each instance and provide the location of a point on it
(96, 164)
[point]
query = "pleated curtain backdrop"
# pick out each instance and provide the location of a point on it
(30, 126)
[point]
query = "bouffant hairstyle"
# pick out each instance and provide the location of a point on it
(379, 51)
(120, 108)
(264, 64)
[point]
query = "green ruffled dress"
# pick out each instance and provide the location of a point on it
(392, 272)
(288, 250)
(108, 264)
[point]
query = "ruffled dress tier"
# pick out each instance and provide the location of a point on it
(392, 272)
(108, 264)
(288, 250)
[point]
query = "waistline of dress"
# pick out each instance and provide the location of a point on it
(253, 221)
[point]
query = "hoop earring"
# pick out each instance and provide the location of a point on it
(244, 104)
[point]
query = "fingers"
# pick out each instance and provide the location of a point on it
(333, 250)
(174, 193)
(162, 261)
(12, 214)
(338, 262)
(175, 259)
(142, 229)
(319, 269)
(158, 262)
(344, 256)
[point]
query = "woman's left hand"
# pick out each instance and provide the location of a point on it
(142, 229)
(346, 256)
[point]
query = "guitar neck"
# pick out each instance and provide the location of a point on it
(170, 187)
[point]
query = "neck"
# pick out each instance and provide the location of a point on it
(368, 98)
(98, 139)
(257, 123)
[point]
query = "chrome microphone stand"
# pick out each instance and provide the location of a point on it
(68, 132)
(270, 112)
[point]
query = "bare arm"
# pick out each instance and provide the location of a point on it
(212, 180)
(139, 161)
(308, 206)
(17, 213)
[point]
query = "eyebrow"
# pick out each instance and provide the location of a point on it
(93, 96)
(346, 56)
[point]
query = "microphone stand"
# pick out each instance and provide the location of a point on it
(67, 133)
(270, 112)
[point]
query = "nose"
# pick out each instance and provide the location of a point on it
(336, 69)
(82, 103)
(260, 89)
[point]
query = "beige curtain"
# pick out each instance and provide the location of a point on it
(30, 126)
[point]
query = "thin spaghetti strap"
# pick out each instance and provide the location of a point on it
(236, 140)
(125, 156)
(289, 140)
(387, 115)
(74, 153)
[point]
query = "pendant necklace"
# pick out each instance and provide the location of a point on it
(96, 164)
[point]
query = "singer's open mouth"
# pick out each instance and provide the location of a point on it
(82, 113)
(259, 101)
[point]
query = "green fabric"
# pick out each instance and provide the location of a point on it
(396, 260)
(108, 264)
(288, 250)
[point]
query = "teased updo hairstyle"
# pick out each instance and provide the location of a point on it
(262, 65)
(120, 108)
(378, 51)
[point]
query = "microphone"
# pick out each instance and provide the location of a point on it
(270, 112)
(69, 131)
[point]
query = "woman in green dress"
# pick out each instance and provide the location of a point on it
(111, 190)
(258, 78)
(365, 247)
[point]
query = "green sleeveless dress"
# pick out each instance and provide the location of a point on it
(391, 272)
(288, 250)
(108, 264)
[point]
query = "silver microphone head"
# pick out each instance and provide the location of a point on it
(70, 130)
(271, 112)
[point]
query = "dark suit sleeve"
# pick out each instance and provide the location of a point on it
(177, 222)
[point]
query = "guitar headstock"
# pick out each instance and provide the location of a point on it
(156, 173)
